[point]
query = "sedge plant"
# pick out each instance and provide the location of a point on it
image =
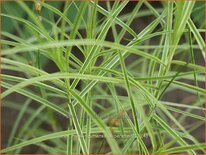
(89, 77)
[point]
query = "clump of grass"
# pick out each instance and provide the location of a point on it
(113, 80)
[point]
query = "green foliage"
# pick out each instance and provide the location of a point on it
(112, 78)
